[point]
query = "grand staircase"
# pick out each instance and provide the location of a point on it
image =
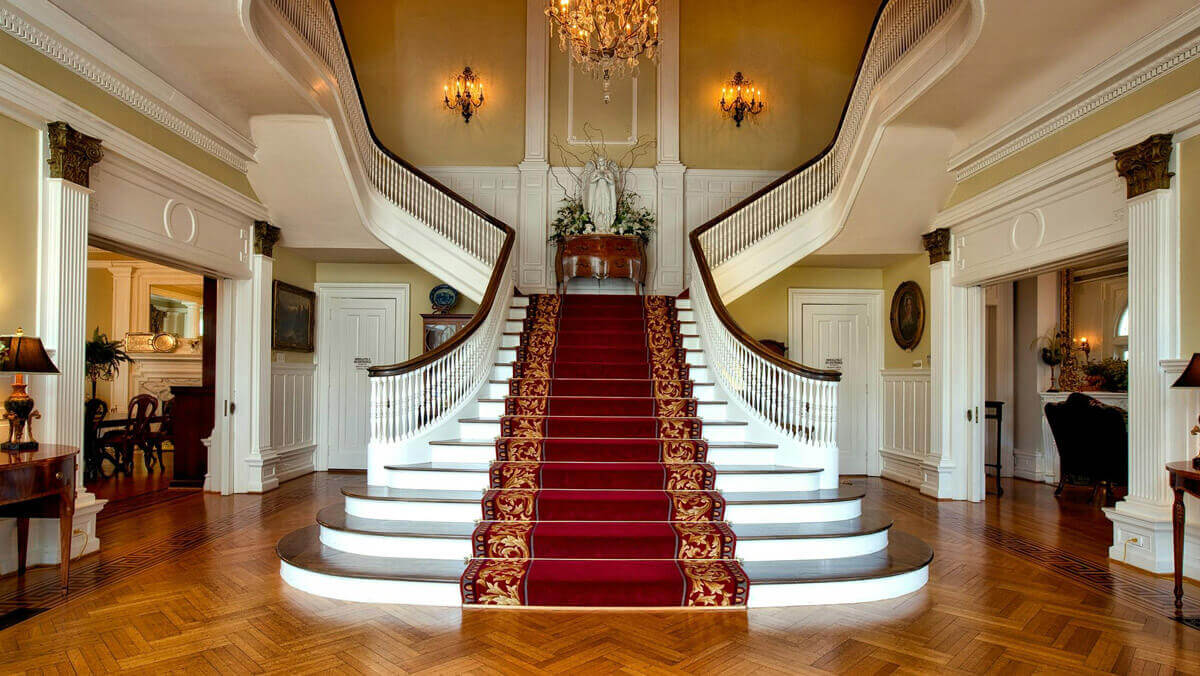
(543, 456)
(602, 468)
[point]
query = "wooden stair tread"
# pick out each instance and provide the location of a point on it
(335, 518)
(904, 554)
(711, 444)
(484, 466)
(303, 549)
(841, 494)
(606, 417)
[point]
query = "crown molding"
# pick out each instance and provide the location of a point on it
(1120, 75)
(99, 62)
(29, 102)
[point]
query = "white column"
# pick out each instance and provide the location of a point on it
(534, 275)
(670, 240)
(1142, 521)
(954, 468)
(122, 289)
(259, 458)
(62, 294)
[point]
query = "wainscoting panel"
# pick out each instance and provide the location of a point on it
(493, 189)
(709, 192)
(293, 437)
(905, 421)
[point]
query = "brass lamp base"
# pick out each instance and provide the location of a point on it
(19, 410)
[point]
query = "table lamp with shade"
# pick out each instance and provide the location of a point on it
(22, 354)
(1191, 378)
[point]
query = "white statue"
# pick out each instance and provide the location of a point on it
(600, 192)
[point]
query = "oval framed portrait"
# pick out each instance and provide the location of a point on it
(908, 315)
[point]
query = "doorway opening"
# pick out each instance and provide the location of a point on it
(842, 329)
(1057, 373)
(149, 356)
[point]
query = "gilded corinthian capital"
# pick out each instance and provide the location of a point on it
(72, 153)
(1144, 166)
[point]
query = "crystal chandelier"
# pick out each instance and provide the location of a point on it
(606, 37)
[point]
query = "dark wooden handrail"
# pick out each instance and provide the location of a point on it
(706, 277)
(501, 265)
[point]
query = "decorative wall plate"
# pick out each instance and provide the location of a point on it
(164, 342)
(443, 298)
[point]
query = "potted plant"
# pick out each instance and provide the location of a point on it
(104, 358)
(1055, 349)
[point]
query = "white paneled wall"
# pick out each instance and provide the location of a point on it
(293, 436)
(709, 192)
(905, 421)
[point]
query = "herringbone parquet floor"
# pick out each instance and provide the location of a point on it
(193, 586)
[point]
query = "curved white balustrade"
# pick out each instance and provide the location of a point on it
(900, 26)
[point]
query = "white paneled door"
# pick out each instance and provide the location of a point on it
(837, 337)
(361, 333)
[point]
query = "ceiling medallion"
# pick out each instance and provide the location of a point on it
(606, 37)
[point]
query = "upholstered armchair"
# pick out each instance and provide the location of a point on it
(1093, 443)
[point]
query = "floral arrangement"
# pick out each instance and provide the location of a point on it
(1109, 375)
(572, 218)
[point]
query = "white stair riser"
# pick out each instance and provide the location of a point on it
(695, 358)
(412, 510)
(397, 547)
(500, 390)
(825, 593)
(365, 590)
(491, 430)
(683, 303)
(717, 456)
(516, 313)
(768, 481)
(741, 456)
(405, 510)
(520, 301)
(466, 481)
(686, 316)
(513, 326)
(501, 371)
(794, 512)
(691, 342)
(435, 480)
(462, 453)
(509, 340)
(805, 549)
(448, 594)
(495, 409)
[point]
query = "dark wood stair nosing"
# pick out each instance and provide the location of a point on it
(904, 554)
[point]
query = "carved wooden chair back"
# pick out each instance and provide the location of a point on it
(141, 409)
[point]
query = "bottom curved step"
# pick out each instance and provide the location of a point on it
(309, 565)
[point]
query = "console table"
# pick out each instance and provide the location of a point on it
(40, 484)
(601, 257)
(1184, 479)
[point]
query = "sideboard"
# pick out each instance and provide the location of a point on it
(601, 256)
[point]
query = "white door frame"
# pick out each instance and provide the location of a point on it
(1000, 296)
(873, 299)
(327, 291)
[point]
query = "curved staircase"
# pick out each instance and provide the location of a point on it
(632, 452)
(604, 471)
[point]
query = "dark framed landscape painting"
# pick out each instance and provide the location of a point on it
(293, 318)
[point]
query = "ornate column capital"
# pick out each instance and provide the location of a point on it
(1144, 166)
(265, 238)
(72, 153)
(937, 243)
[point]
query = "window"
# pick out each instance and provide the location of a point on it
(1121, 339)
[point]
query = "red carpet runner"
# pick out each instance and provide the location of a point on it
(600, 493)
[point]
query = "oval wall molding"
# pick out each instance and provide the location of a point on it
(1028, 230)
(171, 223)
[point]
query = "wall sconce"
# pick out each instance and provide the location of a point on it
(468, 94)
(739, 98)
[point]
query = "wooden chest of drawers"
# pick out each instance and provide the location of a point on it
(601, 257)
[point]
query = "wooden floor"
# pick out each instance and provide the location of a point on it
(192, 585)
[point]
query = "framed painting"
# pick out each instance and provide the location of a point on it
(908, 315)
(293, 318)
